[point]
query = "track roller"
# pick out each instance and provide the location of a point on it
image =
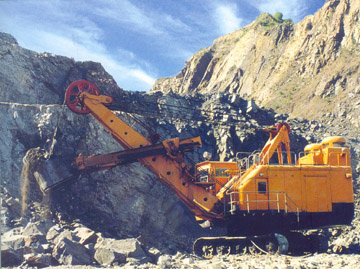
(208, 247)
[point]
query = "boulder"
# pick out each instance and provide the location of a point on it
(68, 252)
(35, 232)
(85, 235)
(53, 232)
(37, 228)
(154, 254)
(39, 260)
(164, 261)
(109, 251)
(234, 99)
(64, 234)
(10, 257)
(13, 239)
(252, 107)
(107, 257)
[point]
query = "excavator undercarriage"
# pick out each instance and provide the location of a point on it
(258, 201)
(271, 243)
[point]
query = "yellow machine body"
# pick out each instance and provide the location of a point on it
(298, 188)
(315, 192)
(270, 193)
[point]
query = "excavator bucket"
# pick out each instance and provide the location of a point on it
(51, 173)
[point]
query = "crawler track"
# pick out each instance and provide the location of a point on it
(208, 247)
(294, 243)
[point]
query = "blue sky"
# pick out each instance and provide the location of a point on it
(136, 41)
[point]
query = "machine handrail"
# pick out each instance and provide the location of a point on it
(278, 200)
(257, 153)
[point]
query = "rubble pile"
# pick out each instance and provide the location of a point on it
(44, 243)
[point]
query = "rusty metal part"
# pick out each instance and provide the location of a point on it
(106, 161)
(72, 95)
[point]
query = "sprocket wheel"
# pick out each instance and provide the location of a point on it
(281, 124)
(73, 92)
(272, 245)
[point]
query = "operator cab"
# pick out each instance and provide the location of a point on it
(214, 175)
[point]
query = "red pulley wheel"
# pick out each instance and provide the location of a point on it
(73, 92)
(281, 124)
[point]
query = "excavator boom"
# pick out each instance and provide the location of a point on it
(164, 160)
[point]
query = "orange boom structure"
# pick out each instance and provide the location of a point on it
(268, 192)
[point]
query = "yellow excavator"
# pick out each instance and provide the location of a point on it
(259, 198)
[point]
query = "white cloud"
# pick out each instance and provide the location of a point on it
(149, 21)
(226, 19)
(129, 77)
(125, 12)
(65, 32)
(142, 76)
(175, 24)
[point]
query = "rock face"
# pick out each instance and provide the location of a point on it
(305, 69)
(125, 215)
(28, 77)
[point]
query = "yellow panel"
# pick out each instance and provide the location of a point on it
(294, 191)
(341, 187)
(276, 184)
(307, 187)
(318, 195)
(247, 195)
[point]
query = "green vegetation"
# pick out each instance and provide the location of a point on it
(278, 16)
(225, 52)
(270, 21)
(201, 52)
(288, 93)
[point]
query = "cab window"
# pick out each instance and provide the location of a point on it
(220, 172)
(262, 187)
(338, 145)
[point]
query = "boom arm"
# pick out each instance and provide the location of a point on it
(169, 167)
(106, 161)
(277, 138)
(278, 135)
